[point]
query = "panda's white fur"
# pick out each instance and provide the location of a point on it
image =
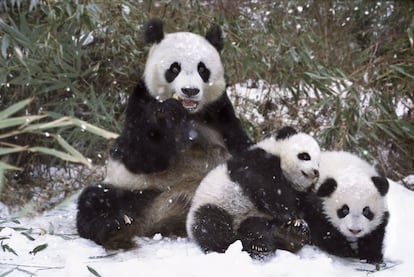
(218, 189)
(355, 189)
(189, 50)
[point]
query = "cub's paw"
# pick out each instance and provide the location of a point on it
(260, 248)
(292, 235)
(118, 233)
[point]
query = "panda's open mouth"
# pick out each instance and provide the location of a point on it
(188, 104)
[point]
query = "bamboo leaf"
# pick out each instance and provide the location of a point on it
(14, 108)
(17, 121)
(38, 249)
(71, 150)
(10, 150)
(58, 154)
(93, 271)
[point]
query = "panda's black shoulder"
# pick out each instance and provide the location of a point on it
(253, 165)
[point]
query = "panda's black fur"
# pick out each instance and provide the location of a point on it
(254, 198)
(345, 174)
(165, 149)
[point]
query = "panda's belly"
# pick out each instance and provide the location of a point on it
(185, 173)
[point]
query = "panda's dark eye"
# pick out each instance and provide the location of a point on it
(368, 213)
(304, 156)
(203, 71)
(343, 211)
(172, 72)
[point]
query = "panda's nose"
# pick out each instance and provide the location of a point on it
(190, 91)
(355, 231)
(316, 173)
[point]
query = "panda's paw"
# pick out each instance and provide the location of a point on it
(299, 229)
(171, 111)
(117, 233)
(292, 235)
(260, 249)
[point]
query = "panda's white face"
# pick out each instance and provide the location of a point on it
(299, 155)
(356, 207)
(300, 160)
(187, 67)
(353, 200)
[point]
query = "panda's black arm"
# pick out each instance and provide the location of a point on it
(220, 114)
(261, 180)
(370, 246)
(147, 142)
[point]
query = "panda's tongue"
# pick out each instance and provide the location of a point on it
(189, 104)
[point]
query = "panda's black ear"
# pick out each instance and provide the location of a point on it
(327, 188)
(153, 31)
(285, 132)
(381, 184)
(215, 37)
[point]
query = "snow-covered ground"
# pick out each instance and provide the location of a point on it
(68, 255)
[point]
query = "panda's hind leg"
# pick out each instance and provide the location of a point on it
(213, 228)
(110, 216)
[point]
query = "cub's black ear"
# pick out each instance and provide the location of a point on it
(381, 184)
(285, 132)
(327, 188)
(215, 37)
(153, 31)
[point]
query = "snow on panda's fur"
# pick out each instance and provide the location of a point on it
(253, 197)
(179, 125)
(348, 213)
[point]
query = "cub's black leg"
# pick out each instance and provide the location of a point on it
(256, 235)
(213, 229)
(110, 216)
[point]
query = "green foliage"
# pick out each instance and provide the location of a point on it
(347, 65)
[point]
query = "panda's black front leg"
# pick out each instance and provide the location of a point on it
(291, 235)
(108, 215)
(370, 246)
(256, 235)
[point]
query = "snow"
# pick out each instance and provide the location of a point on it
(69, 255)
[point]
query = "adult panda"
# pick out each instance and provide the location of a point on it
(348, 214)
(254, 196)
(179, 125)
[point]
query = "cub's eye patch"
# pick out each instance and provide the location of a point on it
(172, 72)
(368, 213)
(304, 156)
(343, 211)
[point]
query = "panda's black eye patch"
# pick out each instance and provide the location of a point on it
(203, 71)
(304, 156)
(172, 72)
(368, 213)
(343, 211)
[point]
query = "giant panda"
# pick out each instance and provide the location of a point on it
(179, 125)
(348, 214)
(253, 197)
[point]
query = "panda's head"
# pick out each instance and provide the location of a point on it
(353, 195)
(299, 156)
(184, 65)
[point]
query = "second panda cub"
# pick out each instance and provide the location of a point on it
(254, 197)
(348, 213)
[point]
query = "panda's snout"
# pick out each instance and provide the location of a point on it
(355, 231)
(190, 92)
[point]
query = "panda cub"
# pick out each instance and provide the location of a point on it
(253, 197)
(348, 213)
(179, 125)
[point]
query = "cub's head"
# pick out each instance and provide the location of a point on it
(353, 195)
(184, 65)
(299, 156)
